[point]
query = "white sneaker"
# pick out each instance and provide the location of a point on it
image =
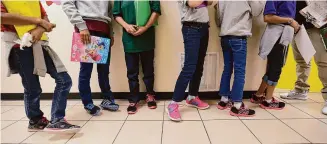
(295, 95)
(324, 109)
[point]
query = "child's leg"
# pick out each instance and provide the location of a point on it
(132, 64)
(31, 83)
(147, 59)
(224, 90)
(84, 83)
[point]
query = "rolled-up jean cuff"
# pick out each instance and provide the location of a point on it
(269, 82)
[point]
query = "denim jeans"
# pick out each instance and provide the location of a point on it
(195, 45)
(132, 64)
(103, 78)
(234, 51)
(32, 88)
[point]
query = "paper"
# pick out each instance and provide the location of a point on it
(316, 13)
(304, 44)
(95, 52)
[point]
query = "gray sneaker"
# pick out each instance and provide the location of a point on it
(295, 95)
(324, 109)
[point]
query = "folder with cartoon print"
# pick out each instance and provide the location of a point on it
(95, 52)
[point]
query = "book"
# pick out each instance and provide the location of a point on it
(95, 52)
(316, 13)
(323, 34)
(143, 12)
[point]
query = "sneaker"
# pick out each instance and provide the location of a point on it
(109, 105)
(295, 95)
(132, 108)
(242, 112)
(275, 104)
(151, 101)
(34, 126)
(324, 109)
(224, 105)
(197, 103)
(257, 99)
(92, 109)
(173, 112)
(62, 126)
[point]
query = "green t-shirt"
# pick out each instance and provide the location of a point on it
(144, 42)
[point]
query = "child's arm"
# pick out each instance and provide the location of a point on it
(193, 3)
(118, 17)
(156, 12)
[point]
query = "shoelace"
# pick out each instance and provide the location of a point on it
(44, 120)
(132, 104)
(150, 98)
(173, 107)
(90, 106)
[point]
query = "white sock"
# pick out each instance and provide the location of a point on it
(190, 97)
(238, 105)
(269, 101)
(173, 102)
(224, 99)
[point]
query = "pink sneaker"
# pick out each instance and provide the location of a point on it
(173, 112)
(197, 103)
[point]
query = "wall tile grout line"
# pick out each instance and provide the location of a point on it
(290, 127)
(204, 127)
(249, 130)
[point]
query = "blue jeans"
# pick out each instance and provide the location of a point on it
(32, 89)
(103, 78)
(234, 51)
(132, 64)
(195, 45)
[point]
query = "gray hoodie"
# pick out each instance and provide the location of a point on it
(235, 17)
(77, 10)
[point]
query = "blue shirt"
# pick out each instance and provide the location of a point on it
(280, 8)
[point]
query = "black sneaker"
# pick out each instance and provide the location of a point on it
(92, 109)
(132, 108)
(109, 105)
(62, 126)
(257, 99)
(242, 112)
(274, 104)
(34, 126)
(152, 104)
(224, 105)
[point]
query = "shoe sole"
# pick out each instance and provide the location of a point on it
(131, 112)
(293, 98)
(264, 107)
(190, 105)
(223, 108)
(34, 130)
(153, 107)
(175, 120)
(114, 108)
(74, 130)
(240, 115)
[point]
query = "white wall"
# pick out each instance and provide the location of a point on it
(169, 44)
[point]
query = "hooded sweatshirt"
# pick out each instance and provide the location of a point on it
(235, 17)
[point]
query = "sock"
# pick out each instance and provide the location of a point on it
(190, 97)
(224, 99)
(269, 101)
(173, 102)
(238, 105)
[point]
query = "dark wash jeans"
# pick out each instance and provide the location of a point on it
(195, 44)
(103, 77)
(23, 61)
(234, 51)
(132, 64)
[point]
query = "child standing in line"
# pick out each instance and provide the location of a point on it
(34, 61)
(93, 18)
(236, 25)
(139, 44)
(279, 32)
(195, 20)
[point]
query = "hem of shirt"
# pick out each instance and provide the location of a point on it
(136, 51)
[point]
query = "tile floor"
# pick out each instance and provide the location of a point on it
(299, 122)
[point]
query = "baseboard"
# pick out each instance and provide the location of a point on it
(119, 95)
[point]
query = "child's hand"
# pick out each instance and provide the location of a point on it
(47, 25)
(130, 28)
(140, 31)
(37, 34)
(85, 36)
